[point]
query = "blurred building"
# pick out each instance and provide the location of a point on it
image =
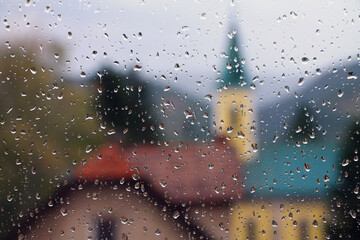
(145, 192)
(287, 183)
(230, 188)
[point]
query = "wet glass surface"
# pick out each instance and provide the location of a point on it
(179, 119)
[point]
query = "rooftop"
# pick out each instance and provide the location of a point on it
(197, 172)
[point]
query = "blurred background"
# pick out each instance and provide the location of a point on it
(76, 75)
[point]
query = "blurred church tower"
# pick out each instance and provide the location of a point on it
(234, 110)
(235, 116)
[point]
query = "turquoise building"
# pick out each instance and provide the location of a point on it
(287, 182)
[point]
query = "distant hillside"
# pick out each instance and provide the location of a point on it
(332, 98)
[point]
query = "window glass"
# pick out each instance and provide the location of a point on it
(179, 119)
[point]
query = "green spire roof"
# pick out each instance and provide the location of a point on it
(233, 73)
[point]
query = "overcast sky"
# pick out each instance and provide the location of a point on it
(271, 33)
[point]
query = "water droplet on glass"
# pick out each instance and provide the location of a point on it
(351, 75)
(157, 232)
(137, 68)
(275, 138)
(82, 74)
(211, 165)
(208, 97)
(345, 162)
(18, 162)
(60, 96)
(63, 211)
(162, 183)
(254, 147)
(293, 14)
(10, 197)
(326, 178)
(230, 129)
(88, 148)
(33, 70)
(301, 81)
(228, 66)
(318, 71)
(123, 220)
(222, 225)
(315, 223)
(176, 214)
(89, 116)
(274, 223)
(352, 213)
(111, 132)
(307, 167)
(187, 114)
(340, 93)
(241, 134)
(235, 177)
(305, 60)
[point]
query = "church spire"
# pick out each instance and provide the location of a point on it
(233, 74)
(235, 113)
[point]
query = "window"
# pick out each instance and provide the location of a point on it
(106, 229)
(179, 119)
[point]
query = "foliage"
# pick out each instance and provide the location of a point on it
(302, 128)
(123, 106)
(346, 197)
(45, 128)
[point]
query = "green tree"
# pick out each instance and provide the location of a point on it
(43, 128)
(303, 127)
(347, 197)
(123, 105)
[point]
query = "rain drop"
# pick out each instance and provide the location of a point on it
(157, 232)
(123, 220)
(187, 114)
(82, 74)
(33, 70)
(351, 75)
(176, 214)
(208, 97)
(340, 93)
(274, 223)
(137, 68)
(88, 148)
(63, 211)
(301, 81)
(304, 60)
(162, 183)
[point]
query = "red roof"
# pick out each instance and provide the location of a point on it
(196, 172)
(108, 162)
